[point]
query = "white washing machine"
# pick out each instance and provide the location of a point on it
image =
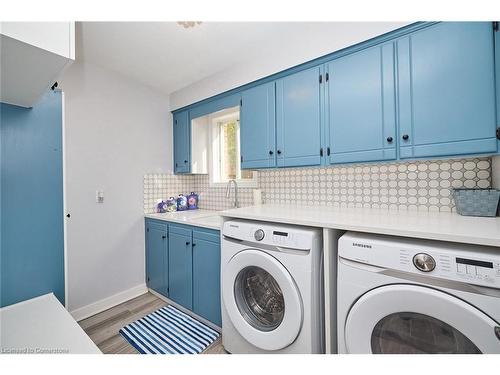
(271, 281)
(399, 295)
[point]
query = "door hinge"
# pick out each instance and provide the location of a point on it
(495, 25)
(327, 77)
(241, 102)
(498, 134)
(147, 230)
(320, 78)
(148, 278)
(241, 158)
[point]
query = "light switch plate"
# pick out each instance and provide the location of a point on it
(99, 196)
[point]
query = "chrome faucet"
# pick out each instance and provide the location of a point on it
(228, 192)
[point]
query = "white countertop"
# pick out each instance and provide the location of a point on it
(200, 218)
(442, 226)
(42, 325)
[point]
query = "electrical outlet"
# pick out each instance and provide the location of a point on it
(99, 196)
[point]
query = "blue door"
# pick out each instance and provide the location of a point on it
(180, 265)
(182, 143)
(446, 90)
(258, 127)
(206, 274)
(32, 247)
(361, 106)
(298, 119)
(157, 256)
(497, 76)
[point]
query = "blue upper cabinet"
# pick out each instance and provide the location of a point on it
(447, 90)
(360, 106)
(298, 115)
(206, 274)
(157, 256)
(182, 142)
(258, 127)
(180, 265)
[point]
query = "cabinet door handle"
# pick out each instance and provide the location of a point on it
(279, 152)
(163, 237)
(194, 244)
(185, 161)
(328, 151)
(321, 152)
(406, 137)
(389, 139)
(187, 243)
(271, 152)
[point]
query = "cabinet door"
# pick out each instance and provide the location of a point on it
(157, 257)
(298, 119)
(446, 90)
(182, 152)
(361, 106)
(258, 127)
(180, 263)
(206, 275)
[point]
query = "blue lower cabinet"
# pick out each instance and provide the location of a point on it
(446, 86)
(206, 274)
(183, 264)
(180, 265)
(157, 256)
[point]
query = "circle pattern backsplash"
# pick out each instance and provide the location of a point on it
(417, 185)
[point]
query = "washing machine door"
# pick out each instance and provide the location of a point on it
(404, 318)
(262, 300)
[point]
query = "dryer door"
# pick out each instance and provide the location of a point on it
(262, 300)
(403, 318)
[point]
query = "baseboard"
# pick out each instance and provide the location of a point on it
(106, 303)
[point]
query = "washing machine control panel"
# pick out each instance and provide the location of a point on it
(479, 265)
(278, 236)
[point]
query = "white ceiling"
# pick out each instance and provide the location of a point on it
(168, 57)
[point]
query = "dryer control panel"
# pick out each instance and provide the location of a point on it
(479, 265)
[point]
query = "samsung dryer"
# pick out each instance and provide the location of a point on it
(398, 295)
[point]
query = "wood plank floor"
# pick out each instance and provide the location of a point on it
(103, 327)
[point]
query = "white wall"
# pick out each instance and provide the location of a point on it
(116, 131)
(291, 51)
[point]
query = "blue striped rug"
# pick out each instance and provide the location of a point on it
(169, 331)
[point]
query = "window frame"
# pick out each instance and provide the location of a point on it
(215, 150)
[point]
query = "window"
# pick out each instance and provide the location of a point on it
(225, 144)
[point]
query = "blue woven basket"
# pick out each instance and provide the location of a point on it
(476, 202)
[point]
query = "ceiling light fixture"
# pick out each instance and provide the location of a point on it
(189, 24)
